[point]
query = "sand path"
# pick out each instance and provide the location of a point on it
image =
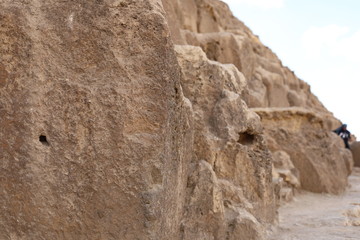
(321, 216)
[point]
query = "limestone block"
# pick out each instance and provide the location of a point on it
(95, 134)
(204, 217)
(317, 153)
(210, 25)
(227, 134)
(286, 169)
(355, 149)
(243, 225)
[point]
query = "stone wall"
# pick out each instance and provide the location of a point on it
(231, 193)
(269, 85)
(110, 131)
(318, 154)
(95, 134)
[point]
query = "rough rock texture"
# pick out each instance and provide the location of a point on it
(99, 141)
(228, 136)
(324, 164)
(108, 131)
(284, 167)
(94, 134)
(286, 175)
(355, 149)
(211, 25)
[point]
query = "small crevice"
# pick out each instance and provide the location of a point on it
(246, 138)
(43, 140)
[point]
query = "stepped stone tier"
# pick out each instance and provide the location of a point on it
(318, 154)
(150, 119)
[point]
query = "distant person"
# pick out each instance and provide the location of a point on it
(344, 134)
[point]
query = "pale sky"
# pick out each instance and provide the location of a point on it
(319, 40)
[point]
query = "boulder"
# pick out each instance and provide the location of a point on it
(323, 163)
(355, 150)
(285, 169)
(285, 175)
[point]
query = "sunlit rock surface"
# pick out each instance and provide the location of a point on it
(110, 131)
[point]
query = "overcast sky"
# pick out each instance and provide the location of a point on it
(319, 40)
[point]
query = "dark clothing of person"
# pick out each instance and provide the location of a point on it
(344, 134)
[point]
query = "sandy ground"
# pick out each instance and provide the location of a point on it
(322, 217)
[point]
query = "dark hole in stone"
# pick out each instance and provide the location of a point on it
(43, 140)
(246, 138)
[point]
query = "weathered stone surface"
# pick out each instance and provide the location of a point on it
(94, 137)
(204, 16)
(284, 167)
(204, 217)
(269, 84)
(243, 225)
(285, 175)
(355, 150)
(106, 132)
(226, 47)
(324, 164)
(210, 25)
(172, 10)
(228, 136)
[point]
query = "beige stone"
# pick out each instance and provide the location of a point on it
(228, 136)
(286, 169)
(101, 141)
(355, 150)
(210, 25)
(108, 131)
(323, 163)
(243, 225)
(95, 134)
(204, 217)
(285, 175)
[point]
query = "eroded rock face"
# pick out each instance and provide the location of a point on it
(324, 164)
(286, 169)
(95, 135)
(285, 175)
(269, 84)
(210, 25)
(107, 132)
(234, 175)
(355, 150)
